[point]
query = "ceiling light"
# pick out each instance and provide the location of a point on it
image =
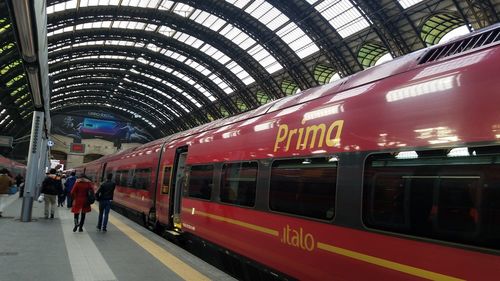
(24, 26)
(35, 86)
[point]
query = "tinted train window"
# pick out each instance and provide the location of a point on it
(239, 181)
(142, 178)
(165, 187)
(121, 177)
(437, 194)
(304, 187)
(92, 175)
(201, 181)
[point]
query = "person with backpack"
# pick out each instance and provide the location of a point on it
(51, 188)
(83, 196)
(68, 185)
(105, 195)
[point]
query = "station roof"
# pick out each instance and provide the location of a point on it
(173, 65)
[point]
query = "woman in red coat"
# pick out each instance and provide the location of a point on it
(79, 194)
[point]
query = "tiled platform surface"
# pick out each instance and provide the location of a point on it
(48, 249)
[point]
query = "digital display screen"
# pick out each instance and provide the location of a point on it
(99, 127)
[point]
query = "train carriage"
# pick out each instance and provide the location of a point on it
(390, 174)
(15, 168)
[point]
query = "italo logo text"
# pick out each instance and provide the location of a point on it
(297, 238)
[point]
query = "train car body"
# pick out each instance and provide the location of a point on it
(389, 174)
(15, 168)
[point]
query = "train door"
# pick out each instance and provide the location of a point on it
(103, 174)
(178, 181)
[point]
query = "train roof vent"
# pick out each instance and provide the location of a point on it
(463, 45)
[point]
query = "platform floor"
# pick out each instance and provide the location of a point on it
(48, 249)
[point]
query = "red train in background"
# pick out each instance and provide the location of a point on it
(390, 174)
(15, 168)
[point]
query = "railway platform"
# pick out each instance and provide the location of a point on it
(48, 249)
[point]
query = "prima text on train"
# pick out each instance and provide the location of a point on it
(313, 136)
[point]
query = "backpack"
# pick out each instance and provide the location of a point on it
(48, 186)
(90, 197)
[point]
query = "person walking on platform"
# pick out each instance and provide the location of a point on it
(51, 188)
(68, 185)
(20, 184)
(105, 195)
(5, 184)
(62, 196)
(80, 194)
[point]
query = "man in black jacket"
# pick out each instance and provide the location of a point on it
(105, 195)
(51, 188)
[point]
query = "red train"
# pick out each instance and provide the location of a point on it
(390, 174)
(15, 168)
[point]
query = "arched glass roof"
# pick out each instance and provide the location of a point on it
(184, 63)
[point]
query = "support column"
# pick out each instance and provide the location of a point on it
(43, 164)
(33, 166)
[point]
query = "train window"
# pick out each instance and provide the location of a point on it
(123, 178)
(451, 196)
(304, 187)
(167, 171)
(142, 178)
(200, 182)
(239, 181)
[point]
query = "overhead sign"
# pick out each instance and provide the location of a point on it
(77, 147)
(6, 141)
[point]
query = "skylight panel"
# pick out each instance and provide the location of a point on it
(183, 9)
(206, 19)
(229, 31)
(167, 31)
(215, 79)
(255, 10)
(189, 97)
(166, 5)
(62, 6)
(343, 16)
(265, 59)
(267, 14)
(84, 3)
(4, 119)
(297, 40)
(221, 57)
(136, 25)
(237, 70)
(153, 47)
(291, 33)
(106, 24)
(408, 3)
(103, 3)
(205, 92)
(239, 3)
(188, 39)
(151, 27)
(143, 60)
(237, 36)
(198, 67)
(248, 80)
(215, 53)
(141, 3)
(208, 49)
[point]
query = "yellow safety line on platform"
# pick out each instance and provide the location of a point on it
(388, 264)
(184, 271)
